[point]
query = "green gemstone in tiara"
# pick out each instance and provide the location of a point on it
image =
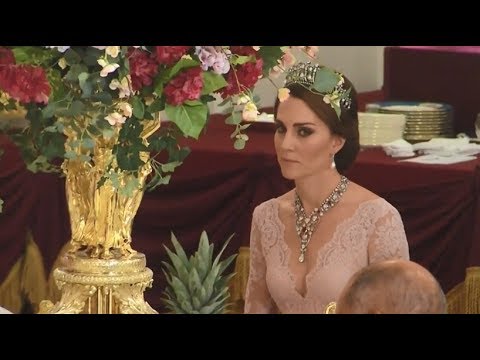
(321, 80)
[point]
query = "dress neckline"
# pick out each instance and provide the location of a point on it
(321, 251)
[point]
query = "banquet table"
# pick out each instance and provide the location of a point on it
(217, 188)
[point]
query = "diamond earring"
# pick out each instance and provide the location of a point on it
(333, 165)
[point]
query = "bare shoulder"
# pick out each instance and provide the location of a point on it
(274, 204)
(358, 195)
(285, 202)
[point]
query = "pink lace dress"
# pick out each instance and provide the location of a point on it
(369, 232)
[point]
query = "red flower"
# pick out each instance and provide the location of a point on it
(6, 56)
(169, 55)
(244, 51)
(25, 83)
(143, 68)
(187, 85)
(246, 75)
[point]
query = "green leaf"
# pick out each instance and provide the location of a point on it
(72, 57)
(108, 133)
(51, 128)
(170, 167)
(325, 80)
(115, 179)
(128, 159)
(212, 82)
(190, 119)
(157, 181)
(180, 267)
(75, 71)
(179, 250)
(217, 259)
(181, 291)
(49, 110)
(234, 119)
(226, 263)
(88, 143)
(76, 108)
(104, 97)
(186, 305)
(197, 304)
(131, 185)
(84, 158)
(138, 107)
(204, 247)
(194, 283)
(70, 154)
(157, 106)
(240, 59)
(239, 144)
(212, 308)
(180, 65)
(270, 55)
(85, 85)
(337, 109)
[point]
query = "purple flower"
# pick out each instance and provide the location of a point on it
(210, 57)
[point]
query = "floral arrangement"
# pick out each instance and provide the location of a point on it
(105, 92)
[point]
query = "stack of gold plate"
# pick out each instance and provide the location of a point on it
(425, 120)
(378, 129)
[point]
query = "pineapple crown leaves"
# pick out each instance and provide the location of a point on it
(196, 285)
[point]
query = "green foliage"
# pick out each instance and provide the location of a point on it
(90, 92)
(196, 285)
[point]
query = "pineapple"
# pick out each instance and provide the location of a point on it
(196, 285)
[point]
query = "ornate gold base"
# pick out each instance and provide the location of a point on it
(98, 286)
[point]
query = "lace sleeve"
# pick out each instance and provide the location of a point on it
(388, 239)
(257, 296)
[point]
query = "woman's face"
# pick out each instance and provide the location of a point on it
(303, 142)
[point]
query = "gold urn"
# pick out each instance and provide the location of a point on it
(101, 273)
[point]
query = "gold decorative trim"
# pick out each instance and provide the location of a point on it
(80, 262)
(94, 290)
(87, 279)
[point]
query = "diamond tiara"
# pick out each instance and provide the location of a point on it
(323, 81)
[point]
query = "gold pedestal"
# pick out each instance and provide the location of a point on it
(101, 286)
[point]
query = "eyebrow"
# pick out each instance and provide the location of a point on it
(296, 124)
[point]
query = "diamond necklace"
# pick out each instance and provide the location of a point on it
(306, 225)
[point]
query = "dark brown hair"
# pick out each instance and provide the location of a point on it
(346, 127)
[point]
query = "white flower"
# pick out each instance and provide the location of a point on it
(107, 68)
(125, 108)
(62, 49)
(123, 87)
(62, 63)
(113, 51)
(115, 119)
(250, 112)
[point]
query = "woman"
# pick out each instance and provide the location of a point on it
(307, 243)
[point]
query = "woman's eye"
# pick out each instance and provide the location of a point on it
(280, 129)
(304, 132)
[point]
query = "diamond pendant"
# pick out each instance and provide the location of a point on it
(301, 258)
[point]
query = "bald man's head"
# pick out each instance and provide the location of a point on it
(392, 287)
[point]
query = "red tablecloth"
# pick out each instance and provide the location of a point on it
(439, 74)
(439, 206)
(217, 188)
